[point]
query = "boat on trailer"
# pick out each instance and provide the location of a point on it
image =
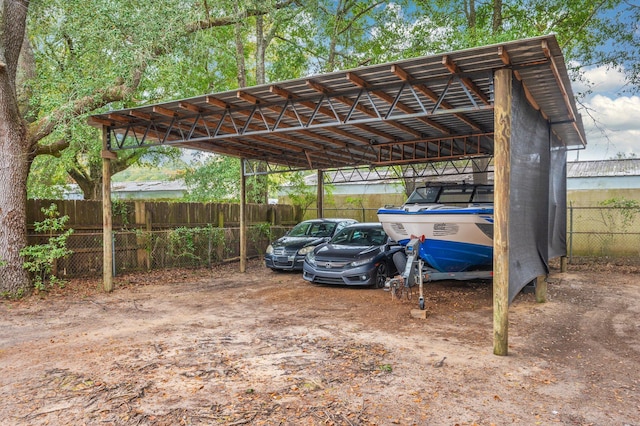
(454, 223)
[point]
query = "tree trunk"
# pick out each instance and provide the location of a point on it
(14, 166)
(91, 187)
(14, 154)
(242, 71)
(260, 49)
(497, 16)
(471, 15)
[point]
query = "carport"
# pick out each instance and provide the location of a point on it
(511, 103)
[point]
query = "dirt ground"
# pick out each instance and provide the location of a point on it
(266, 348)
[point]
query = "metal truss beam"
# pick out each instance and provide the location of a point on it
(476, 165)
(360, 115)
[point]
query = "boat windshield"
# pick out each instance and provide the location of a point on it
(452, 194)
(426, 194)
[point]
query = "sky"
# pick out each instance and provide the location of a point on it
(611, 118)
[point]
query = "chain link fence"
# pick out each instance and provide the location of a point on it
(598, 233)
(139, 250)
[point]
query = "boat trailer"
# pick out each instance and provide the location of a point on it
(415, 269)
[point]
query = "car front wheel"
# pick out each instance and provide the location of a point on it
(381, 275)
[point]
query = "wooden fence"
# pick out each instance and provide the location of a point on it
(153, 235)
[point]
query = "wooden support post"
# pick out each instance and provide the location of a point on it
(142, 254)
(107, 219)
(563, 264)
(502, 191)
(149, 229)
(320, 194)
(243, 225)
(541, 289)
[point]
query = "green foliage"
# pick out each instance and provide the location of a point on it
(354, 202)
(40, 258)
(387, 368)
(183, 242)
(623, 156)
(79, 51)
(617, 216)
(300, 194)
(622, 213)
(213, 178)
(262, 231)
(197, 246)
(260, 235)
(120, 210)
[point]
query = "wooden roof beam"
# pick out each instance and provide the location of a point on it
(563, 90)
(100, 121)
(506, 59)
(454, 69)
(119, 118)
(222, 104)
(165, 111)
(283, 93)
(360, 82)
(433, 96)
(140, 114)
(363, 109)
(190, 107)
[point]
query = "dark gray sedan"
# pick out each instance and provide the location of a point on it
(287, 253)
(360, 254)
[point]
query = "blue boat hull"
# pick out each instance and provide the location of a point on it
(452, 256)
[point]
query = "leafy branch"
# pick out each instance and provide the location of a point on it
(41, 258)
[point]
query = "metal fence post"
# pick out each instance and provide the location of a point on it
(113, 250)
(571, 232)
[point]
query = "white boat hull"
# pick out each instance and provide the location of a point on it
(454, 239)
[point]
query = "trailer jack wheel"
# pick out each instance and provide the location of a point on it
(421, 303)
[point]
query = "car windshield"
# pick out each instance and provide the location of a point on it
(355, 236)
(313, 229)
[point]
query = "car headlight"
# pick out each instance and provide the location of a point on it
(361, 262)
(269, 249)
(305, 250)
(311, 258)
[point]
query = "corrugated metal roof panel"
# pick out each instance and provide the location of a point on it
(604, 168)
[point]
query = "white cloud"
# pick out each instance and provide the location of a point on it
(611, 121)
(621, 113)
(601, 80)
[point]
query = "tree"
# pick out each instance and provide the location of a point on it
(14, 151)
(213, 178)
(74, 61)
(300, 194)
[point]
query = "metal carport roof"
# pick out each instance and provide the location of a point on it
(431, 108)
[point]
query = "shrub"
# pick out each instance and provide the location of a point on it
(40, 258)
